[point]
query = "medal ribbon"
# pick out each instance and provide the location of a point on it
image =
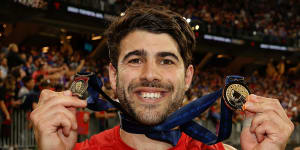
(179, 121)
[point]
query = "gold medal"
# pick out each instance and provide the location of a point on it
(234, 95)
(80, 85)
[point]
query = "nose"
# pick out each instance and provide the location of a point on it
(151, 72)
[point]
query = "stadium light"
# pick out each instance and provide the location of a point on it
(188, 20)
(220, 56)
(69, 37)
(45, 49)
(96, 37)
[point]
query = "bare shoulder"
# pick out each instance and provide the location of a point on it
(228, 147)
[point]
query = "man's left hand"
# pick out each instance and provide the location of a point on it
(268, 125)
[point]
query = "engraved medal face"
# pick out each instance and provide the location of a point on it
(79, 87)
(235, 95)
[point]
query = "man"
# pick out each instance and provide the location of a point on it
(150, 71)
(3, 68)
(27, 87)
(27, 94)
(13, 57)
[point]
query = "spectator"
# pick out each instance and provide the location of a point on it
(13, 57)
(3, 68)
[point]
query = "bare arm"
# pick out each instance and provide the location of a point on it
(54, 70)
(4, 109)
(70, 73)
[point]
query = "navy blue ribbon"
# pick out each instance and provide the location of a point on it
(180, 121)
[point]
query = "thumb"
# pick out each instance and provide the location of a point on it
(248, 118)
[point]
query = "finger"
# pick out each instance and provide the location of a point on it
(66, 101)
(66, 126)
(72, 109)
(260, 132)
(66, 112)
(47, 94)
(260, 118)
(259, 104)
(257, 98)
(54, 122)
(268, 128)
(67, 93)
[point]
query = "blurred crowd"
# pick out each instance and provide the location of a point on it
(272, 21)
(275, 20)
(24, 73)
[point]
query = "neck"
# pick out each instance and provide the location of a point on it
(28, 88)
(140, 141)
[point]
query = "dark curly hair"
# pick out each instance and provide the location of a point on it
(154, 19)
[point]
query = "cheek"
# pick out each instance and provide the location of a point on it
(177, 77)
(124, 77)
(129, 73)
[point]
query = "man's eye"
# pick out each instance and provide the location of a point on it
(166, 62)
(135, 61)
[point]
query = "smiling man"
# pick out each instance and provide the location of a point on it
(151, 79)
(150, 71)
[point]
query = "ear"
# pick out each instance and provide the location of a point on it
(188, 76)
(112, 76)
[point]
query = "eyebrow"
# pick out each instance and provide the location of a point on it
(143, 53)
(165, 54)
(140, 52)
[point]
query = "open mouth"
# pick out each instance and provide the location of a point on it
(151, 95)
(148, 95)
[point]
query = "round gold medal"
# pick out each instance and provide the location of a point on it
(234, 95)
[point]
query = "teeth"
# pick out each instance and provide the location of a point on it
(150, 95)
(157, 95)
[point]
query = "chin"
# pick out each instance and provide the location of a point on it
(150, 117)
(150, 122)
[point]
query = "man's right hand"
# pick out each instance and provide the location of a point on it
(54, 120)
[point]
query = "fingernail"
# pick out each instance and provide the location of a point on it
(84, 102)
(254, 96)
(67, 93)
(248, 104)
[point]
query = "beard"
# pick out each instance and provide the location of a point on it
(150, 114)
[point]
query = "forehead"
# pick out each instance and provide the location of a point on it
(152, 43)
